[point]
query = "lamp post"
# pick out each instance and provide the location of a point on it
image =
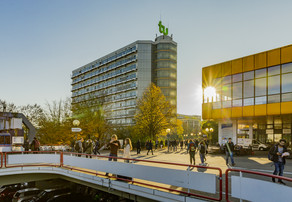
(76, 123)
(168, 131)
(209, 130)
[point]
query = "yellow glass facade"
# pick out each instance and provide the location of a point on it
(251, 88)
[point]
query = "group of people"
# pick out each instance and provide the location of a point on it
(196, 146)
(33, 146)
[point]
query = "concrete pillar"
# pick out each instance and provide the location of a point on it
(250, 131)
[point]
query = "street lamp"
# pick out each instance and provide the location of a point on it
(168, 131)
(76, 123)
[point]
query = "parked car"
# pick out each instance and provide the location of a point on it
(24, 194)
(257, 145)
(49, 193)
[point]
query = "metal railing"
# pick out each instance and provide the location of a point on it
(248, 172)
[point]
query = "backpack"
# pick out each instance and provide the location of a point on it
(203, 149)
(36, 144)
(192, 147)
(271, 156)
(77, 148)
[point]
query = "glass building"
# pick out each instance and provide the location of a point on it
(120, 78)
(251, 97)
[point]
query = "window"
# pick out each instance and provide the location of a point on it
(261, 100)
(226, 104)
(248, 75)
(273, 98)
(287, 83)
(226, 79)
(237, 103)
(287, 68)
(248, 89)
(261, 73)
(217, 105)
(260, 87)
(226, 92)
(237, 90)
(287, 97)
(248, 102)
(236, 78)
(274, 85)
(274, 70)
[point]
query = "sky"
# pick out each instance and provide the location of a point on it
(42, 42)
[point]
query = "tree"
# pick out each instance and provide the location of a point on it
(55, 125)
(154, 113)
(92, 120)
(212, 135)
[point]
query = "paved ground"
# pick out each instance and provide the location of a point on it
(257, 162)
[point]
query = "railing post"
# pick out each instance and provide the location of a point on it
(5, 160)
(1, 160)
(61, 159)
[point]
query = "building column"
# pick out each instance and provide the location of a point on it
(250, 132)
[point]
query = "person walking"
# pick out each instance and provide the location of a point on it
(89, 147)
(79, 146)
(229, 149)
(35, 144)
(202, 151)
(127, 150)
(149, 146)
(278, 155)
(96, 147)
(114, 145)
(192, 151)
(161, 144)
(156, 144)
(138, 145)
(181, 144)
(26, 145)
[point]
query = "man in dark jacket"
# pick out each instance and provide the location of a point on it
(278, 155)
(229, 150)
(138, 145)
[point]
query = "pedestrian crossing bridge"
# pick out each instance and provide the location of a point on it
(141, 180)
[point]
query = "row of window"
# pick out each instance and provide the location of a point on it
(166, 64)
(105, 69)
(166, 83)
(106, 84)
(118, 105)
(105, 76)
(110, 98)
(166, 55)
(105, 61)
(118, 113)
(253, 101)
(122, 121)
(111, 90)
(166, 73)
(166, 46)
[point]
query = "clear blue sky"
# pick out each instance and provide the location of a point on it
(41, 42)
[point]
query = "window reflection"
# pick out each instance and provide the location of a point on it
(260, 87)
(287, 83)
(248, 90)
(273, 85)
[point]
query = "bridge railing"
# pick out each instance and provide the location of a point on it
(185, 181)
(165, 176)
(260, 189)
(1, 165)
(32, 158)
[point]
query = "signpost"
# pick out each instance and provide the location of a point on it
(76, 130)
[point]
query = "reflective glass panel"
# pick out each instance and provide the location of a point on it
(248, 102)
(248, 89)
(274, 70)
(273, 98)
(261, 100)
(260, 87)
(237, 90)
(287, 97)
(261, 73)
(248, 75)
(274, 85)
(236, 77)
(237, 103)
(287, 83)
(287, 68)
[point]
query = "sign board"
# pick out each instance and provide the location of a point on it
(17, 140)
(76, 130)
(244, 142)
(162, 29)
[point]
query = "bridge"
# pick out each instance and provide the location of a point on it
(145, 179)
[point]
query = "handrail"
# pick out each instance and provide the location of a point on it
(250, 172)
(159, 162)
(1, 160)
(30, 152)
(61, 164)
